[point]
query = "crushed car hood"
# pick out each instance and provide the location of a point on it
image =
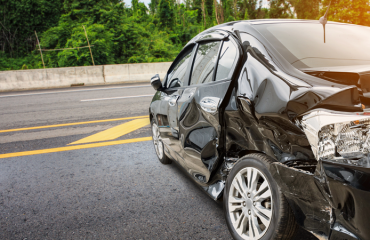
(349, 91)
(336, 99)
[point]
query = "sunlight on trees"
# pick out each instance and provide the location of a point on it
(133, 34)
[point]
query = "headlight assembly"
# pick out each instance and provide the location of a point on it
(336, 136)
(349, 140)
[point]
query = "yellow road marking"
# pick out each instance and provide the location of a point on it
(70, 124)
(114, 132)
(75, 147)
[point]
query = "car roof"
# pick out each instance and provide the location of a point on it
(279, 20)
(247, 25)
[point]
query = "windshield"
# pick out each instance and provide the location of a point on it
(302, 44)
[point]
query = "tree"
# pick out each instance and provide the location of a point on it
(166, 14)
(99, 37)
(348, 11)
(153, 5)
(123, 34)
(251, 9)
(306, 9)
(19, 20)
(280, 9)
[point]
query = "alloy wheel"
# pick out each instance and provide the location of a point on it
(158, 144)
(250, 203)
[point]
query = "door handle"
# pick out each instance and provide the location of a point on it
(209, 104)
(173, 100)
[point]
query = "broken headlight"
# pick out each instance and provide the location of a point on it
(334, 135)
(349, 140)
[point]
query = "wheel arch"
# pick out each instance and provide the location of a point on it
(248, 152)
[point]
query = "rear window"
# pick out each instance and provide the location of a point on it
(302, 44)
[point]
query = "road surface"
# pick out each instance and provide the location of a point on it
(70, 169)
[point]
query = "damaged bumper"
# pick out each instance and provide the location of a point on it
(332, 202)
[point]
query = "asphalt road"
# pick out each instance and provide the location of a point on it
(100, 189)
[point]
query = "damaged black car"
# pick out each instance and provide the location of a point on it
(273, 118)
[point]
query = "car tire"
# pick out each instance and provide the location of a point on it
(158, 145)
(261, 210)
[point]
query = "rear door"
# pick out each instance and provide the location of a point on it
(198, 107)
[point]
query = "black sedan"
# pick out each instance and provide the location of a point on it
(273, 118)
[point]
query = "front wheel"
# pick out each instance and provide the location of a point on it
(254, 206)
(158, 145)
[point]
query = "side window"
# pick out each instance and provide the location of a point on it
(228, 57)
(176, 76)
(204, 63)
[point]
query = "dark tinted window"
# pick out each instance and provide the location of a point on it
(302, 44)
(176, 77)
(204, 63)
(226, 61)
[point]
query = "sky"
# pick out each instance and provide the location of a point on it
(265, 4)
(145, 1)
(128, 2)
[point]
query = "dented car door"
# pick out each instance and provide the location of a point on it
(199, 114)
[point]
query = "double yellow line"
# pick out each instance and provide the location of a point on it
(106, 135)
(76, 147)
(70, 124)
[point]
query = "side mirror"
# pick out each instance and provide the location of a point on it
(156, 82)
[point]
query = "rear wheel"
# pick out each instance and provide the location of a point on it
(254, 206)
(158, 145)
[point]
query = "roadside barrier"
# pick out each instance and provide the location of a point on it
(75, 76)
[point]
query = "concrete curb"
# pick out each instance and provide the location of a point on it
(90, 75)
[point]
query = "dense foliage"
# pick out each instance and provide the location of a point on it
(132, 34)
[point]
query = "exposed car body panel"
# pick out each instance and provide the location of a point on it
(307, 198)
(260, 110)
(349, 187)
